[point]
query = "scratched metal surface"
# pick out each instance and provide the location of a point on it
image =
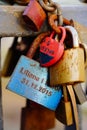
(12, 24)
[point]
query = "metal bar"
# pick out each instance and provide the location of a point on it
(12, 24)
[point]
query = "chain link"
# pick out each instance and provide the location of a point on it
(58, 13)
(53, 8)
(47, 5)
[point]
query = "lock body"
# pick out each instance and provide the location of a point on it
(70, 69)
(14, 52)
(37, 119)
(29, 80)
(34, 15)
(49, 53)
(8, 67)
(51, 50)
(64, 113)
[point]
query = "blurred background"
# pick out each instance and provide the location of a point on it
(13, 103)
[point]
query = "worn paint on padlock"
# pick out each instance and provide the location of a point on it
(51, 50)
(34, 15)
(29, 80)
(69, 69)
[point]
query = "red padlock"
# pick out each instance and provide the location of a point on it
(34, 15)
(51, 50)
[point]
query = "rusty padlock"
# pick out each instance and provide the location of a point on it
(29, 80)
(64, 112)
(37, 118)
(52, 50)
(34, 15)
(70, 69)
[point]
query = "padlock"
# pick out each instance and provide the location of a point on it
(79, 93)
(70, 68)
(64, 112)
(47, 122)
(9, 62)
(37, 118)
(51, 50)
(34, 16)
(67, 118)
(29, 80)
(15, 51)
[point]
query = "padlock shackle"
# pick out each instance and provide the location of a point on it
(63, 33)
(74, 34)
(52, 34)
(36, 43)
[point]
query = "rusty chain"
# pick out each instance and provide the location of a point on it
(52, 9)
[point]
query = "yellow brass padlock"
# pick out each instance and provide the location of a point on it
(64, 112)
(70, 69)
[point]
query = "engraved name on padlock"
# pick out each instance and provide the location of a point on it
(70, 68)
(29, 80)
(51, 50)
(34, 16)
